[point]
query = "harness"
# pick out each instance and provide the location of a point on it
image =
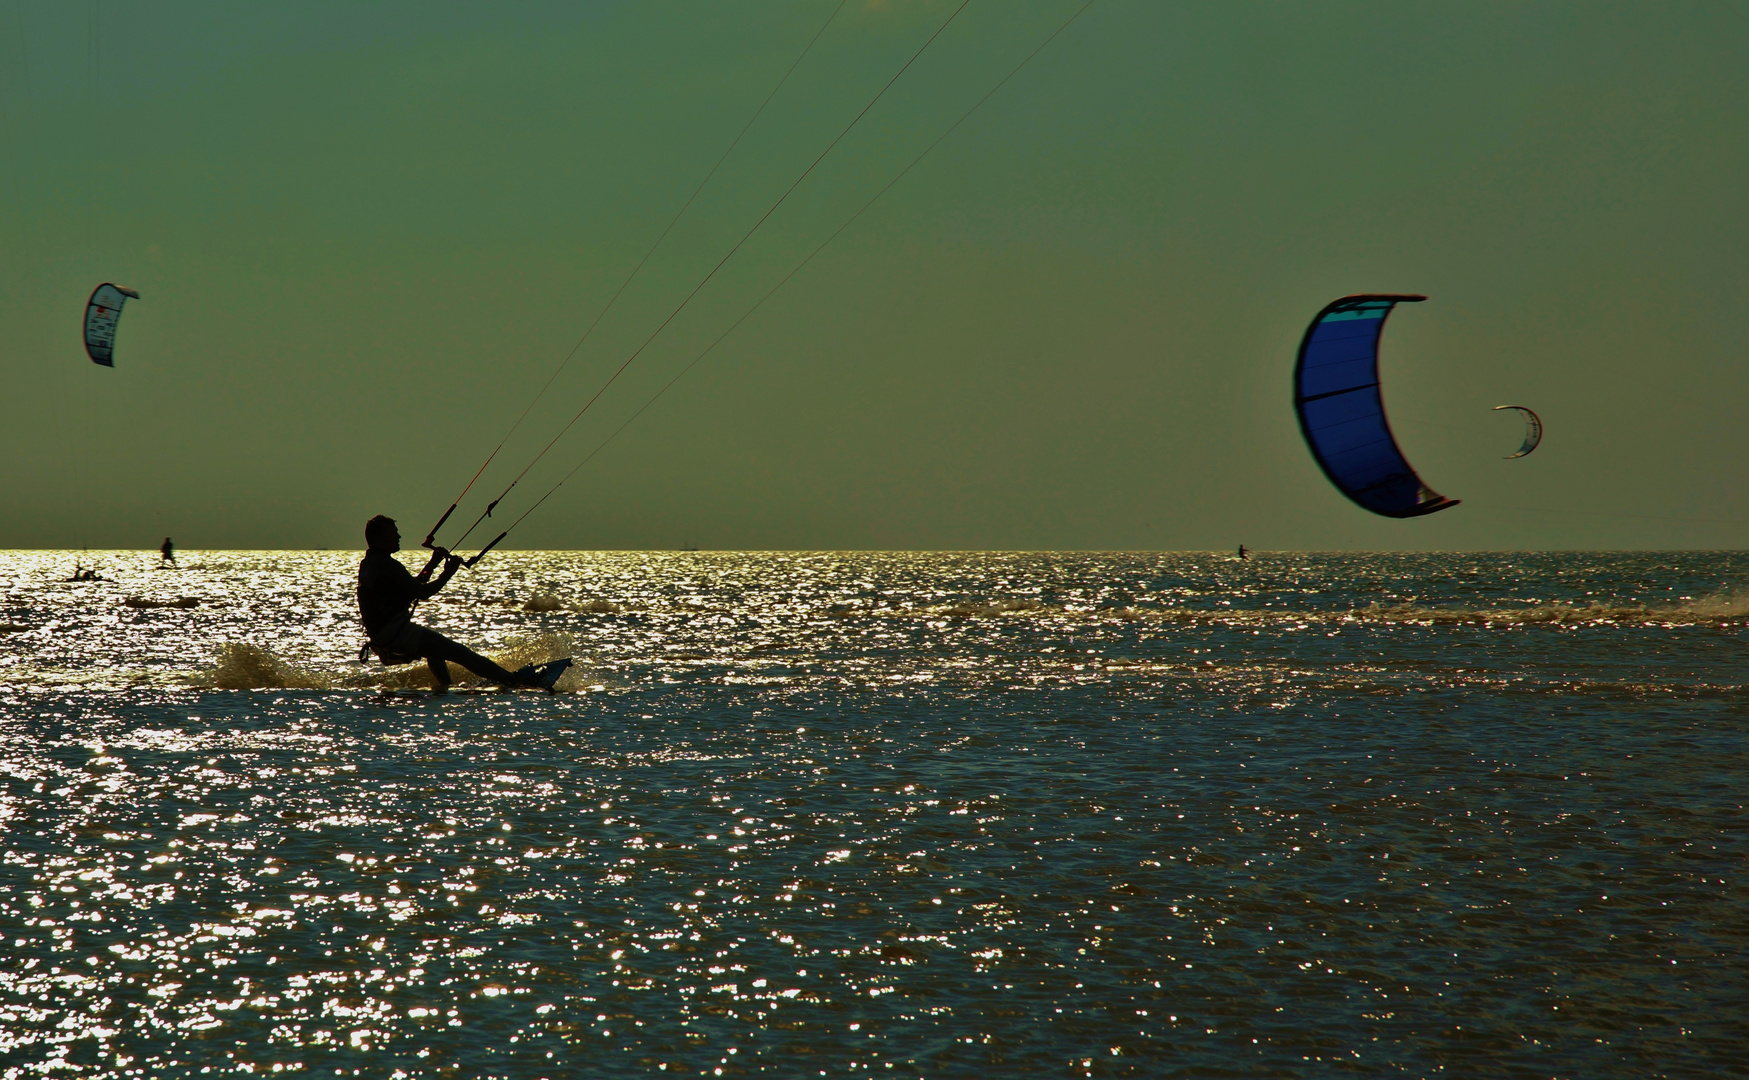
(386, 653)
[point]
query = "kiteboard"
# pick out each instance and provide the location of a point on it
(546, 676)
(542, 677)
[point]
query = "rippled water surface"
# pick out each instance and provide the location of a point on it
(932, 815)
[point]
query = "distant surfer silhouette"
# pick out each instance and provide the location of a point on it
(167, 553)
(387, 592)
(1243, 551)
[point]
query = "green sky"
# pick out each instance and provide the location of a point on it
(366, 234)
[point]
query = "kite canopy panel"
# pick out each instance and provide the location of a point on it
(1533, 430)
(1336, 394)
(102, 312)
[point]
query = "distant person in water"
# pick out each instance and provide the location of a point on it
(167, 553)
(1243, 551)
(386, 595)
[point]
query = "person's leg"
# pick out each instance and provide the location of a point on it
(436, 649)
(439, 672)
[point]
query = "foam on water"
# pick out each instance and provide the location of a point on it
(243, 666)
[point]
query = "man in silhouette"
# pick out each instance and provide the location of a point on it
(167, 553)
(386, 595)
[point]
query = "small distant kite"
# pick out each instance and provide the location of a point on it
(1336, 394)
(102, 312)
(1533, 430)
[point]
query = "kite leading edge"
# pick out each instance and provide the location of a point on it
(1342, 415)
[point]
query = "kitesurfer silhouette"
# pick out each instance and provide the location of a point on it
(82, 574)
(387, 592)
(167, 553)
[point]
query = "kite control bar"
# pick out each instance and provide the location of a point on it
(430, 541)
(431, 537)
(481, 554)
(439, 554)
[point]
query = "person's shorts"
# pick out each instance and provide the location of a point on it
(404, 647)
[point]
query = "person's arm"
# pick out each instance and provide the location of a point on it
(392, 578)
(451, 563)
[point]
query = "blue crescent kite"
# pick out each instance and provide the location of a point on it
(1336, 394)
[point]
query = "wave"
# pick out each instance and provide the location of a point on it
(985, 609)
(241, 666)
(180, 602)
(542, 602)
(1726, 605)
(1718, 608)
(1715, 609)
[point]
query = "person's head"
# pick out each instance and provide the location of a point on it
(380, 532)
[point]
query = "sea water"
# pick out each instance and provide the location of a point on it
(881, 815)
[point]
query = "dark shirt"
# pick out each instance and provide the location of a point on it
(386, 593)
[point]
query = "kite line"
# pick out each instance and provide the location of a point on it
(719, 265)
(708, 349)
(702, 283)
(431, 536)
